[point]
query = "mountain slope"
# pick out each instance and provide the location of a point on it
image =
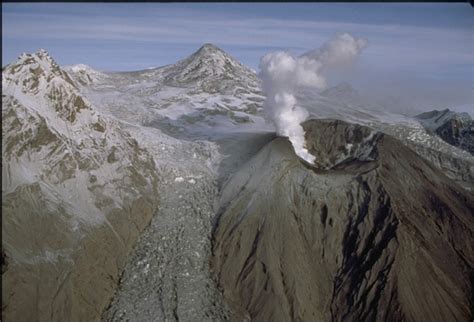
(84, 75)
(213, 71)
(343, 103)
(205, 92)
(455, 128)
(76, 191)
(360, 238)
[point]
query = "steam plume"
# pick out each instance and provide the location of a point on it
(282, 74)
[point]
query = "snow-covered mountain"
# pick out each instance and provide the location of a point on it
(205, 91)
(53, 135)
(214, 71)
(70, 177)
(84, 75)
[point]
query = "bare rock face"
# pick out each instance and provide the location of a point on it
(454, 128)
(380, 235)
(337, 143)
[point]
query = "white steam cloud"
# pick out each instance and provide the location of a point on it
(282, 74)
(341, 50)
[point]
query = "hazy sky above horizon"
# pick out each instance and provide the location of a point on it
(428, 46)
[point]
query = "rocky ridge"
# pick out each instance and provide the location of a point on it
(455, 128)
(77, 182)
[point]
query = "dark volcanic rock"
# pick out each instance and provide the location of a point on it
(375, 236)
(455, 128)
(4, 261)
(337, 143)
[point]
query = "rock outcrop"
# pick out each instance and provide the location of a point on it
(454, 128)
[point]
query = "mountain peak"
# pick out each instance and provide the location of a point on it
(80, 68)
(209, 47)
(211, 52)
(34, 72)
(84, 74)
(35, 65)
(43, 54)
(41, 57)
(38, 75)
(212, 69)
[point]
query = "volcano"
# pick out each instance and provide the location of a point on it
(372, 232)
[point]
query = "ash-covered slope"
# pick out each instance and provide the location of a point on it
(455, 128)
(378, 235)
(76, 191)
